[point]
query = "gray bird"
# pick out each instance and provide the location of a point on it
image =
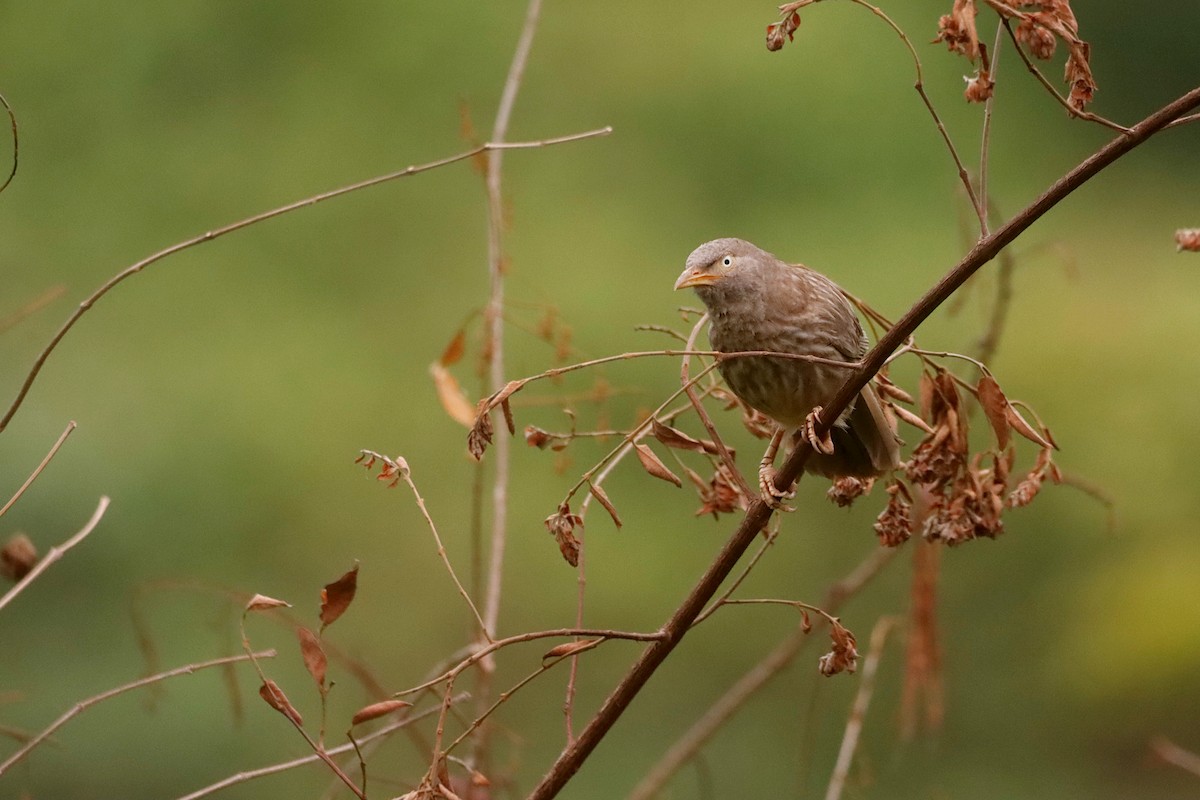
(757, 302)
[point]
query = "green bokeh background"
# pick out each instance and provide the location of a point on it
(223, 394)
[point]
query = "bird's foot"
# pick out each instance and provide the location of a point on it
(820, 444)
(770, 495)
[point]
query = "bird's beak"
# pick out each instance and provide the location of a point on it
(693, 277)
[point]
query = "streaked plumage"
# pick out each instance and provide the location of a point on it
(758, 302)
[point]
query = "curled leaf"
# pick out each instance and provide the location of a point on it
(454, 350)
(654, 465)
(843, 657)
(377, 710)
(995, 407)
(1022, 427)
(602, 498)
(276, 699)
(561, 525)
(314, 655)
(571, 648)
(260, 602)
(450, 394)
(679, 440)
(337, 596)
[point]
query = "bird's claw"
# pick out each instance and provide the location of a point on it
(770, 495)
(820, 444)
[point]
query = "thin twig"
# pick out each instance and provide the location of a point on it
(495, 310)
(531, 636)
(713, 719)
(705, 420)
(1175, 755)
(248, 221)
(406, 474)
(262, 772)
(38, 471)
(858, 711)
(55, 553)
(919, 85)
(1049, 87)
(84, 705)
(572, 758)
(986, 136)
(12, 119)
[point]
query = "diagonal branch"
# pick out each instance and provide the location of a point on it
(569, 762)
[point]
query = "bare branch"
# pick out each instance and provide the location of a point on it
(84, 705)
(55, 553)
(262, 217)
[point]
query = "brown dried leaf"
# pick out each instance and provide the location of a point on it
(655, 466)
(561, 525)
(1022, 427)
(602, 497)
(337, 596)
(911, 418)
(995, 407)
(377, 710)
(481, 432)
(260, 602)
(672, 437)
(571, 648)
(277, 700)
(314, 655)
(451, 395)
(1187, 239)
(843, 657)
(454, 350)
(17, 557)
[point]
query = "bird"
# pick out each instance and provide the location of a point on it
(757, 302)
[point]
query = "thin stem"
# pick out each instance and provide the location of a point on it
(858, 711)
(704, 728)
(919, 85)
(986, 136)
(689, 387)
(38, 470)
(406, 474)
(1049, 87)
(55, 553)
(84, 705)
(273, 769)
(1175, 755)
(12, 119)
(571, 759)
(33, 306)
(217, 233)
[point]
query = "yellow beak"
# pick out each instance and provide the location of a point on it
(692, 277)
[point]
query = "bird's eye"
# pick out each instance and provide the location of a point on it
(727, 261)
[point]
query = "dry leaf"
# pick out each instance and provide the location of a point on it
(995, 407)
(1187, 239)
(571, 648)
(277, 700)
(17, 557)
(261, 602)
(313, 654)
(451, 395)
(911, 418)
(454, 351)
(337, 596)
(673, 437)
(561, 525)
(654, 466)
(1022, 427)
(377, 710)
(602, 497)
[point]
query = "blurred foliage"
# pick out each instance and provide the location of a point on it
(223, 395)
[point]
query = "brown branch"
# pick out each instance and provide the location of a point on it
(858, 711)
(56, 553)
(262, 772)
(569, 762)
(688, 745)
(12, 118)
(133, 269)
(84, 705)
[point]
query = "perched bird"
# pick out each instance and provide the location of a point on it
(757, 302)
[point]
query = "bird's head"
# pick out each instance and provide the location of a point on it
(721, 266)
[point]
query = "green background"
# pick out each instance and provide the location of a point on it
(223, 394)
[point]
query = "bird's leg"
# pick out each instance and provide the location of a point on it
(766, 474)
(820, 444)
